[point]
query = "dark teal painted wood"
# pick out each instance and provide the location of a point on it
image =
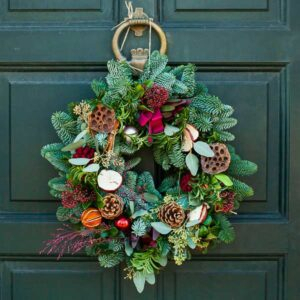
(247, 53)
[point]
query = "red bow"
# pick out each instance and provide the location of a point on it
(154, 119)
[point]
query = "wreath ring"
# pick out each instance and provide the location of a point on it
(117, 214)
(138, 26)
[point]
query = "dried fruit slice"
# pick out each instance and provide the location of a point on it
(187, 142)
(199, 213)
(193, 132)
(109, 180)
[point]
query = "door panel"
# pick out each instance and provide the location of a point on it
(247, 53)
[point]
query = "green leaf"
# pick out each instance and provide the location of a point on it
(166, 108)
(170, 130)
(151, 198)
(224, 179)
(91, 168)
(73, 146)
(161, 227)
(163, 260)
(183, 201)
(139, 281)
(87, 204)
(139, 213)
(208, 221)
(63, 214)
(191, 244)
(192, 163)
(131, 206)
(203, 149)
(128, 248)
(81, 135)
(192, 223)
(150, 278)
(79, 161)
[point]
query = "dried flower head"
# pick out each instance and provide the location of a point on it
(76, 194)
(156, 96)
(82, 110)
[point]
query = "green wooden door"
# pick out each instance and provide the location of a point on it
(247, 52)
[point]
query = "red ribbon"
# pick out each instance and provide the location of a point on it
(154, 119)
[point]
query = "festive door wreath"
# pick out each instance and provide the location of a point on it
(118, 214)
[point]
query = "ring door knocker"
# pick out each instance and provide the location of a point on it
(138, 23)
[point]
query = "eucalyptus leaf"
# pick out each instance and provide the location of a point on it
(128, 248)
(139, 213)
(166, 108)
(161, 227)
(80, 135)
(131, 206)
(208, 221)
(192, 223)
(203, 149)
(163, 260)
(224, 179)
(183, 201)
(91, 168)
(79, 161)
(150, 278)
(139, 281)
(73, 146)
(151, 198)
(170, 130)
(192, 163)
(191, 244)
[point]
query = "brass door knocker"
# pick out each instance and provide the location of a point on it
(137, 22)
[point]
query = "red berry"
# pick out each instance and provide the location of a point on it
(185, 182)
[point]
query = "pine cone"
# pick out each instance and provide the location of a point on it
(219, 162)
(102, 119)
(113, 206)
(172, 214)
(228, 201)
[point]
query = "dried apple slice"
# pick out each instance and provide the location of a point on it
(193, 132)
(187, 142)
(109, 180)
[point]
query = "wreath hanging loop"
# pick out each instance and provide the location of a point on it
(137, 21)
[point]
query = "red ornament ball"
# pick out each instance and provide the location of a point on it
(122, 223)
(156, 96)
(185, 181)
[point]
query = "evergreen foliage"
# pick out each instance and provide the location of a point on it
(167, 183)
(64, 126)
(139, 228)
(226, 233)
(116, 245)
(110, 259)
(242, 189)
(176, 156)
(99, 87)
(130, 179)
(58, 184)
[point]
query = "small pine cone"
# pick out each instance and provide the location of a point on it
(219, 162)
(113, 207)
(172, 214)
(228, 201)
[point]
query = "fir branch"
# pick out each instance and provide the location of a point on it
(110, 259)
(226, 233)
(65, 127)
(176, 156)
(242, 188)
(242, 168)
(139, 227)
